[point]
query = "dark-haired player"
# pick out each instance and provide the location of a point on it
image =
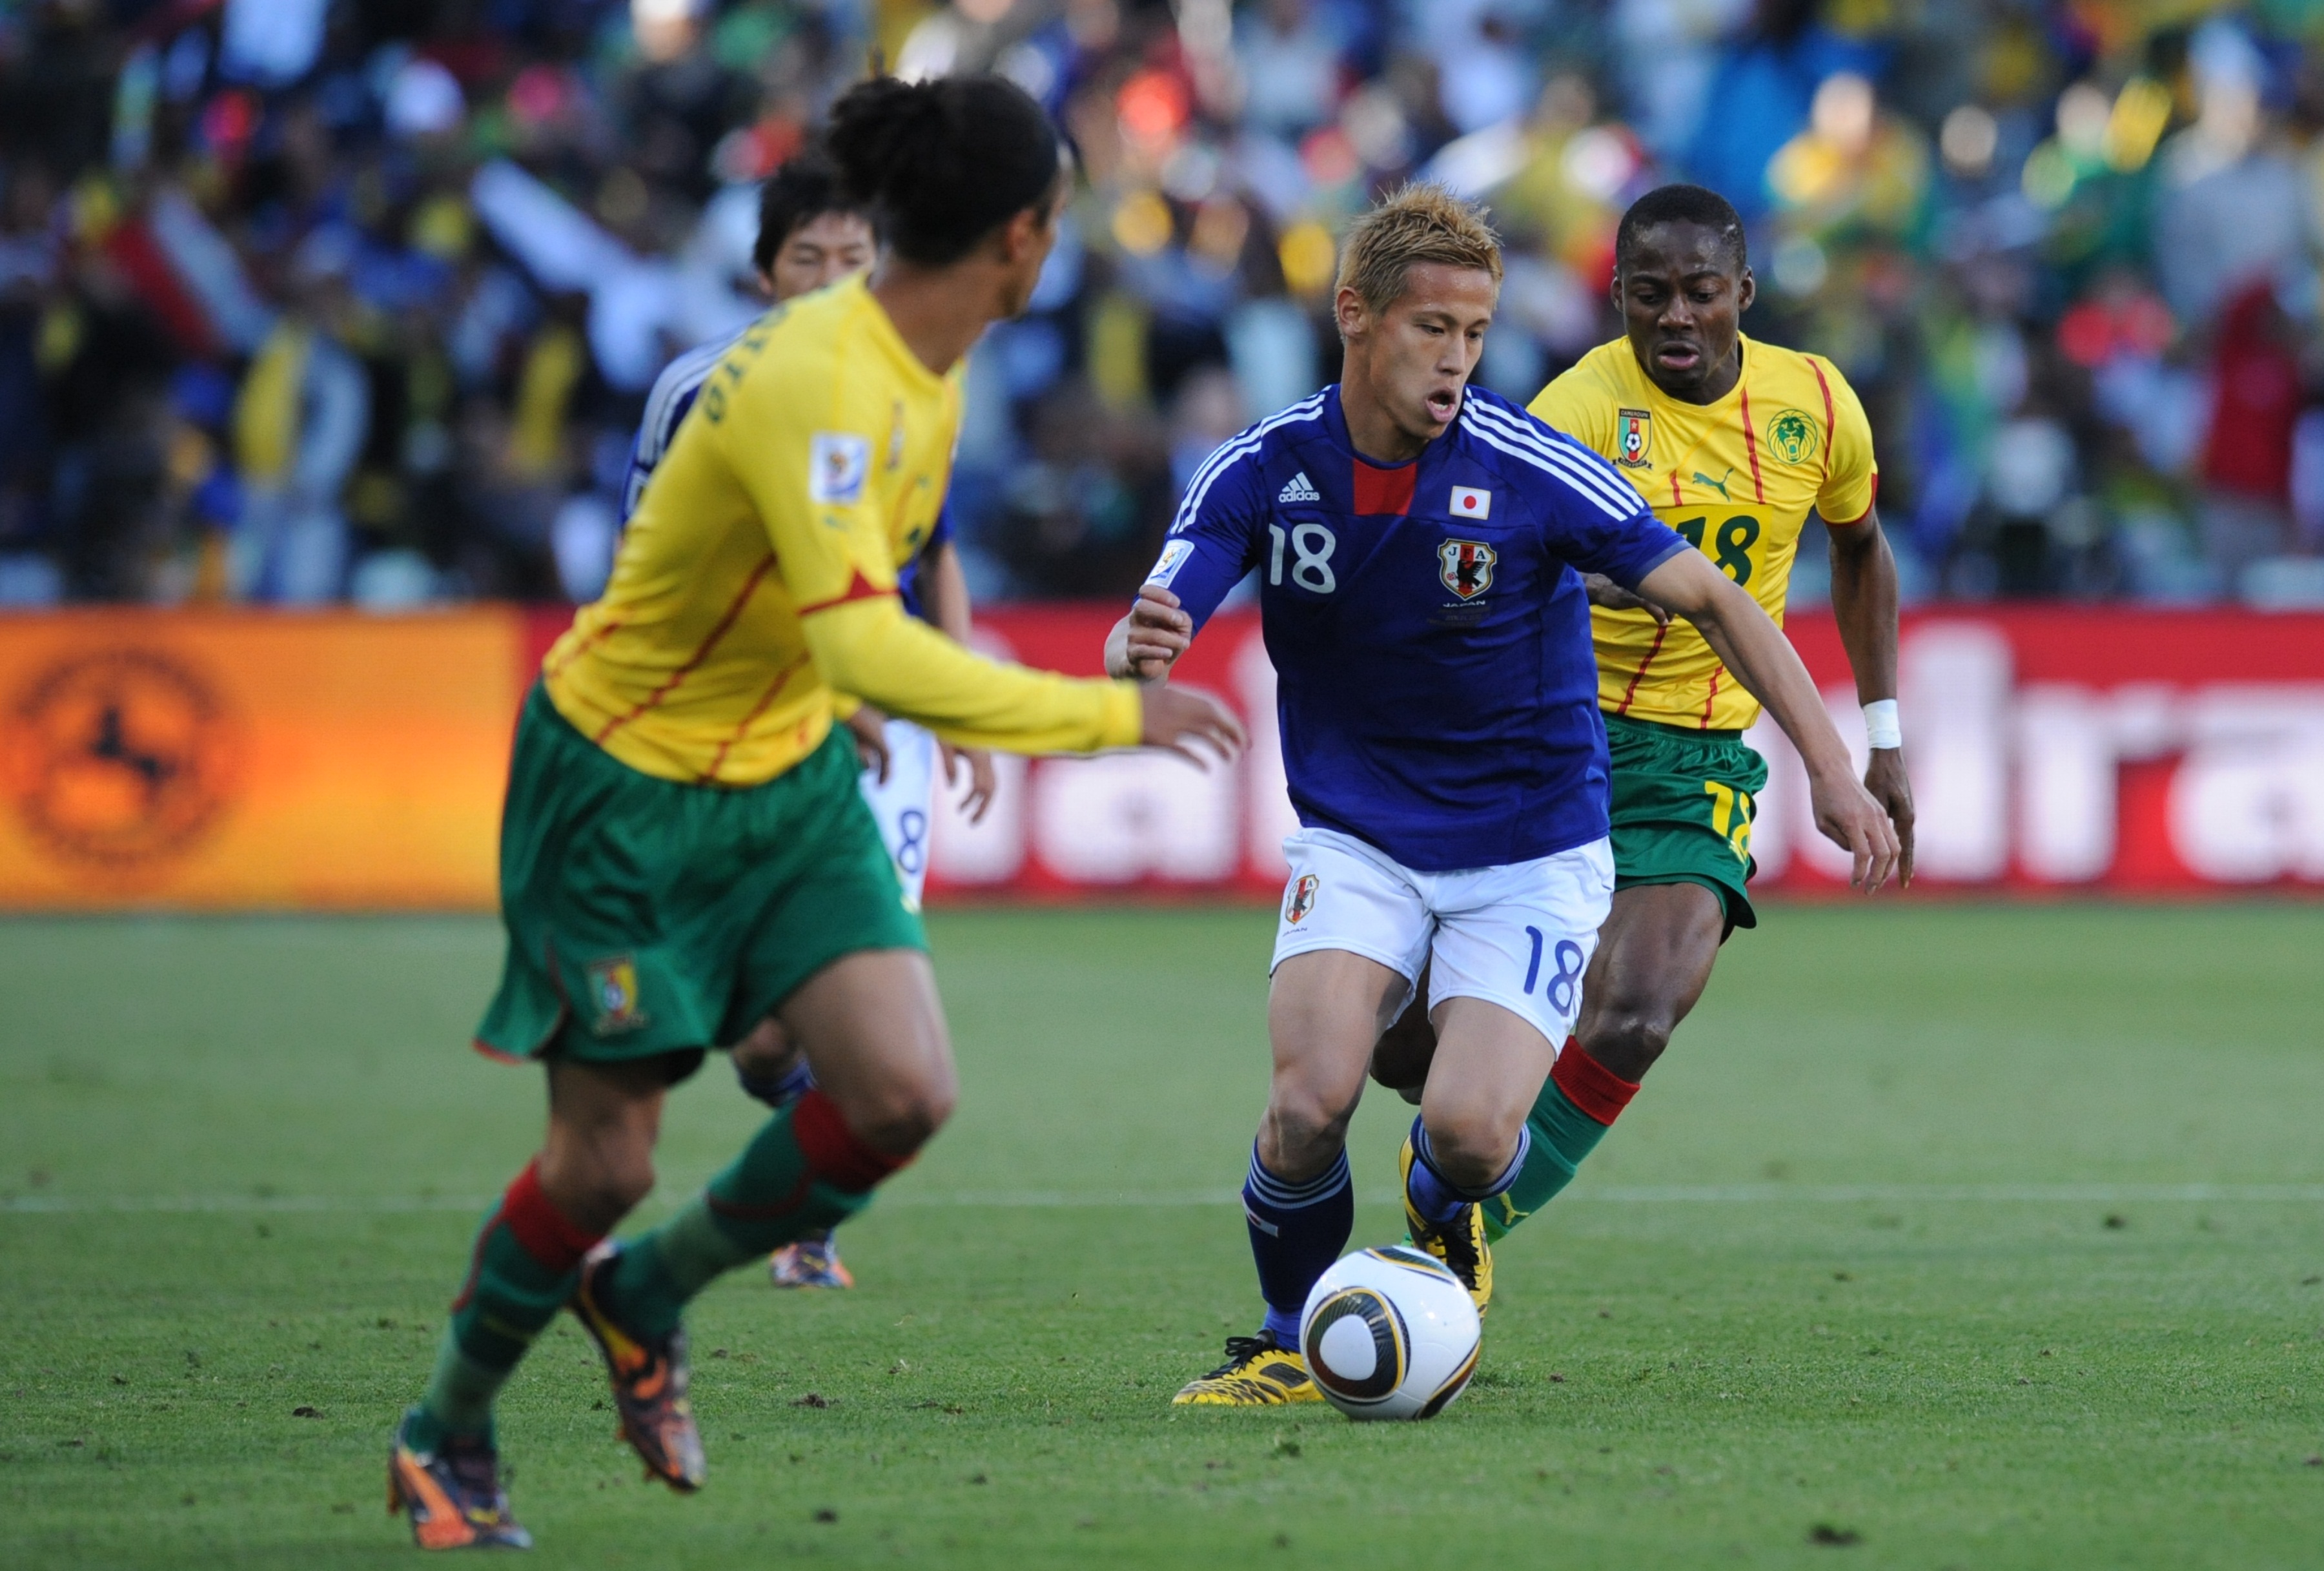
(684, 850)
(1420, 544)
(813, 232)
(1731, 443)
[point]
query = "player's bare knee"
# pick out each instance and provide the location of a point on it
(1303, 1131)
(1627, 1038)
(596, 1182)
(766, 1052)
(904, 1114)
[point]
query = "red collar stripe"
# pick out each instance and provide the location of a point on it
(1387, 491)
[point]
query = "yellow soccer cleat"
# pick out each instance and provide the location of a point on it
(1461, 1244)
(1259, 1372)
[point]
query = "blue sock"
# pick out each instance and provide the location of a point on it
(781, 1090)
(1297, 1232)
(1436, 1197)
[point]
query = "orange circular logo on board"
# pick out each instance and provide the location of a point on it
(119, 758)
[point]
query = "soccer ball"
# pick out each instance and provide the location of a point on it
(1389, 1333)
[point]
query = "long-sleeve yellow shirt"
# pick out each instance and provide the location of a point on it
(758, 574)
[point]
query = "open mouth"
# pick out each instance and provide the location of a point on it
(1443, 403)
(1678, 356)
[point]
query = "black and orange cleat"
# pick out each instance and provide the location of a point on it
(453, 1494)
(648, 1375)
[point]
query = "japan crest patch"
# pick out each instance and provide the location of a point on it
(836, 465)
(1632, 434)
(613, 989)
(1465, 567)
(1300, 900)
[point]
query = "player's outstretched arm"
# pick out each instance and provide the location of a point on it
(1864, 596)
(1146, 643)
(947, 599)
(1755, 650)
(868, 647)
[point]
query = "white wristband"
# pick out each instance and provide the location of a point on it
(1880, 727)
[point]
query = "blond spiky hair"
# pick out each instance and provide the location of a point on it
(1413, 225)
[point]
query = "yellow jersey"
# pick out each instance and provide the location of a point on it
(1737, 478)
(757, 578)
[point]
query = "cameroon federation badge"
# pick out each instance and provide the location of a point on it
(613, 989)
(1300, 900)
(1632, 435)
(1793, 437)
(1465, 567)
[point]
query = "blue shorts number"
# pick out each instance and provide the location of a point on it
(911, 842)
(1565, 983)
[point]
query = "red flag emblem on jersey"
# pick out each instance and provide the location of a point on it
(1465, 567)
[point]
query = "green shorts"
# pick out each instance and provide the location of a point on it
(645, 917)
(1683, 806)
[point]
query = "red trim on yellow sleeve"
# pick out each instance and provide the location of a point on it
(859, 587)
(1830, 422)
(1859, 518)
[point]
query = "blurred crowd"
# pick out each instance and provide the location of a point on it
(304, 301)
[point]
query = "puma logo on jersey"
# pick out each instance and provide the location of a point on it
(1298, 489)
(1719, 484)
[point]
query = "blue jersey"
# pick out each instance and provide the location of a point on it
(674, 392)
(1435, 687)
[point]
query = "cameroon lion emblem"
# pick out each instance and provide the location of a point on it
(1792, 436)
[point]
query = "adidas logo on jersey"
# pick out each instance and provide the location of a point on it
(1298, 489)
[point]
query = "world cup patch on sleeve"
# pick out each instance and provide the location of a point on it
(836, 465)
(1174, 557)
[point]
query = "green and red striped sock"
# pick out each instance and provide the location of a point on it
(526, 1262)
(803, 1172)
(1577, 1104)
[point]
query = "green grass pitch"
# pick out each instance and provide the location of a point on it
(1945, 1236)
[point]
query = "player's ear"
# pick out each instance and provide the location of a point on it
(1747, 292)
(1614, 289)
(1021, 234)
(1348, 309)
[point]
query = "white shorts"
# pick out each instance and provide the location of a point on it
(901, 806)
(1519, 936)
